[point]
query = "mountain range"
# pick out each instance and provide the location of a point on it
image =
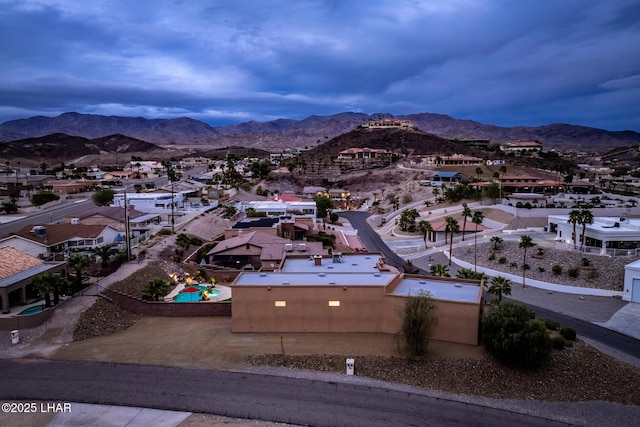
(289, 133)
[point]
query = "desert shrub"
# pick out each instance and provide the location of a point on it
(492, 257)
(527, 205)
(558, 343)
(519, 205)
(513, 265)
(585, 262)
(568, 333)
(541, 269)
(592, 275)
(514, 337)
(540, 251)
(420, 319)
(164, 232)
(573, 272)
(552, 325)
(43, 197)
(526, 267)
(502, 260)
(556, 269)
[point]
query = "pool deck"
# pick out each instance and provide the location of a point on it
(19, 308)
(225, 292)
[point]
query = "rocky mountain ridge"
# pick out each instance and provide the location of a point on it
(63, 147)
(289, 133)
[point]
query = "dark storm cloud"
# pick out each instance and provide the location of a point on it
(501, 62)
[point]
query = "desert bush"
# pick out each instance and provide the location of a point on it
(513, 265)
(492, 257)
(552, 325)
(502, 260)
(514, 337)
(420, 319)
(556, 269)
(568, 333)
(585, 262)
(573, 272)
(541, 269)
(558, 343)
(526, 267)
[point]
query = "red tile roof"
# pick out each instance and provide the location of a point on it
(59, 233)
(13, 261)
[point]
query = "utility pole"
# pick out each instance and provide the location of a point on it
(173, 220)
(127, 227)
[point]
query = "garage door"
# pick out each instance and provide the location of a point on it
(635, 290)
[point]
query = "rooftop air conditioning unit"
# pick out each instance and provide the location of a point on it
(288, 247)
(75, 221)
(302, 247)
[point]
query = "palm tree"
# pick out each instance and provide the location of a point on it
(467, 273)
(77, 262)
(426, 228)
(45, 284)
(496, 240)
(500, 286)
(466, 213)
(453, 227)
(105, 253)
(439, 270)
(574, 218)
(156, 289)
(477, 219)
(525, 243)
(586, 217)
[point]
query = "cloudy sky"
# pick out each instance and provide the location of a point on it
(524, 62)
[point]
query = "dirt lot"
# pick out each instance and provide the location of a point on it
(209, 343)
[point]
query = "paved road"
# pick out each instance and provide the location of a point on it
(612, 339)
(243, 395)
(54, 214)
(372, 240)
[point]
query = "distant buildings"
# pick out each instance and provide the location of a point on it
(388, 123)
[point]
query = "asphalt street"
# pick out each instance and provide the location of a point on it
(244, 395)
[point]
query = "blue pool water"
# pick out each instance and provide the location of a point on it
(31, 310)
(195, 296)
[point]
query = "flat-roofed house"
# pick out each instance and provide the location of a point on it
(349, 293)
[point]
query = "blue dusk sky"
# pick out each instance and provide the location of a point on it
(503, 62)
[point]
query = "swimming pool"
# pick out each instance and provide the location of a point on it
(193, 293)
(31, 310)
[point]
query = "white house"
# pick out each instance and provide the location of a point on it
(631, 290)
(150, 202)
(280, 207)
(606, 233)
(57, 239)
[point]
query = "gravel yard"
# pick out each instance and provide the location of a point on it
(603, 272)
(579, 373)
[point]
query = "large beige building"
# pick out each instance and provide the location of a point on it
(349, 293)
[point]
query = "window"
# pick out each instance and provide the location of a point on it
(280, 304)
(334, 303)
